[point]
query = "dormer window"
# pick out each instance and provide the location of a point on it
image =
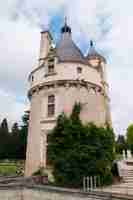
(51, 105)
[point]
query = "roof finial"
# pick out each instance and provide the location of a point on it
(65, 20)
(65, 28)
(91, 43)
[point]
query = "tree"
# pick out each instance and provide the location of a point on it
(76, 150)
(13, 145)
(23, 134)
(4, 126)
(15, 129)
(4, 139)
(129, 135)
(121, 144)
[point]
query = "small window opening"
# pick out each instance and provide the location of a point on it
(51, 105)
(32, 78)
(51, 69)
(79, 70)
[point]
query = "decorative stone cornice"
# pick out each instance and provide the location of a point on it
(46, 58)
(50, 74)
(67, 84)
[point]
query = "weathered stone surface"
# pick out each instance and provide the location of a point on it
(68, 85)
(53, 193)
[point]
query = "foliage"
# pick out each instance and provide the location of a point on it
(40, 172)
(4, 126)
(24, 133)
(121, 144)
(129, 135)
(13, 144)
(76, 150)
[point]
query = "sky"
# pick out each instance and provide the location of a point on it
(107, 23)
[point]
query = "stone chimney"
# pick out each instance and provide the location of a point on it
(45, 44)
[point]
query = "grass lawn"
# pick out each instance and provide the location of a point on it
(11, 168)
(8, 170)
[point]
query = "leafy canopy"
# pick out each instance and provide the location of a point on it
(121, 144)
(129, 135)
(76, 150)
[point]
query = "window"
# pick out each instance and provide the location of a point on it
(50, 65)
(32, 78)
(51, 69)
(51, 105)
(51, 60)
(79, 70)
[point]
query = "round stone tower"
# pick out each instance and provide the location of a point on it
(63, 76)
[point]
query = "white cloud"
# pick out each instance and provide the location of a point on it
(19, 49)
(11, 108)
(109, 23)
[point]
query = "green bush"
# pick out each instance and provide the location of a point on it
(76, 150)
(40, 172)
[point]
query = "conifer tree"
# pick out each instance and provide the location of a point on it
(4, 126)
(15, 129)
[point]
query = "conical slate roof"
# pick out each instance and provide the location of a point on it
(93, 53)
(66, 49)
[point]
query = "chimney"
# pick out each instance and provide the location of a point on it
(45, 43)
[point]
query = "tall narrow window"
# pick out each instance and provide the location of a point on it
(51, 105)
(51, 65)
(32, 78)
(51, 69)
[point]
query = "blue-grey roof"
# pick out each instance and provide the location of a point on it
(67, 51)
(93, 53)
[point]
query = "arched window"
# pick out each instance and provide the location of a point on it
(51, 105)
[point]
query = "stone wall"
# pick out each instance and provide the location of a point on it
(51, 193)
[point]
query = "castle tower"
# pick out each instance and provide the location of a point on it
(63, 76)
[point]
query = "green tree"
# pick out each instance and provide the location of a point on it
(76, 150)
(14, 144)
(15, 129)
(121, 144)
(4, 139)
(129, 135)
(23, 134)
(4, 126)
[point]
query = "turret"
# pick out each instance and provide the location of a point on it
(98, 62)
(94, 58)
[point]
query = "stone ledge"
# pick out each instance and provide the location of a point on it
(50, 74)
(47, 121)
(79, 194)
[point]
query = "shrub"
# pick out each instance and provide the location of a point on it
(76, 150)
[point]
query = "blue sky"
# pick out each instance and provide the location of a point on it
(108, 23)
